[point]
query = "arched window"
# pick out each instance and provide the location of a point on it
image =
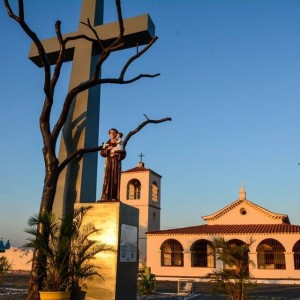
(236, 242)
(296, 250)
(203, 254)
(133, 189)
(171, 253)
(154, 191)
(270, 255)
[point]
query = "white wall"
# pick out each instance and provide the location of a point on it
(154, 243)
(19, 258)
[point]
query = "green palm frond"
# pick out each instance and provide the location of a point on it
(234, 279)
(68, 249)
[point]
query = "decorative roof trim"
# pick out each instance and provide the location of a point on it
(232, 205)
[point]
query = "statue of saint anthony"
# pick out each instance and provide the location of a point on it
(114, 153)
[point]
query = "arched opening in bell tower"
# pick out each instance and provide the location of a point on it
(133, 189)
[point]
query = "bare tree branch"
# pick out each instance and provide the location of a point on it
(80, 152)
(116, 45)
(120, 81)
(45, 114)
(134, 57)
(99, 41)
(12, 14)
(77, 154)
(105, 51)
(96, 81)
(79, 36)
(60, 60)
(121, 24)
(142, 125)
(32, 35)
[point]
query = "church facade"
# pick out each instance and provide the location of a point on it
(188, 252)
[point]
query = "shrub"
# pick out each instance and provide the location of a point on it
(146, 281)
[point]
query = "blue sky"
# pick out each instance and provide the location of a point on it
(230, 79)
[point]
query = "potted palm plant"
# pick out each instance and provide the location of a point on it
(67, 254)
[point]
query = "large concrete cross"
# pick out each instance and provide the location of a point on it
(78, 182)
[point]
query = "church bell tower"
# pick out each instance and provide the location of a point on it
(141, 188)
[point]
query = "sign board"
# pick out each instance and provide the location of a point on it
(128, 245)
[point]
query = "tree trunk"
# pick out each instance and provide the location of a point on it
(38, 272)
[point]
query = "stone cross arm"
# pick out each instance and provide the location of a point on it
(137, 31)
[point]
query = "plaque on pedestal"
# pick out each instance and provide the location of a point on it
(118, 224)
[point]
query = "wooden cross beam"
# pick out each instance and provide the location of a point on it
(138, 31)
(78, 181)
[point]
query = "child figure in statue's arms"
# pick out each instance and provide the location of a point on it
(118, 150)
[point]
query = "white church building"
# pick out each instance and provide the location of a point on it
(187, 253)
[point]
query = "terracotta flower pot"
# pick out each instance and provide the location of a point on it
(64, 295)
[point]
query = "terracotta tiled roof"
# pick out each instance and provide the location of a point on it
(230, 229)
(137, 169)
(140, 169)
(229, 207)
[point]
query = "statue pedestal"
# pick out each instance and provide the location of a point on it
(119, 225)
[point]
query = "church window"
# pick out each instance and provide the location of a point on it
(171, 253)
(270, 255)
(154, 191)
(133, 189)
(243, 211)
(296, 250)
(203, 254)
(236, 242)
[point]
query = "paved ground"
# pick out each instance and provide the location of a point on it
(263, 291)
(16, 285)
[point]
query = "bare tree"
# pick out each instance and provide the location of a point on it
(53, 167)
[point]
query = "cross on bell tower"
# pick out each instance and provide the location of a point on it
(141, 157)
(140, 163)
